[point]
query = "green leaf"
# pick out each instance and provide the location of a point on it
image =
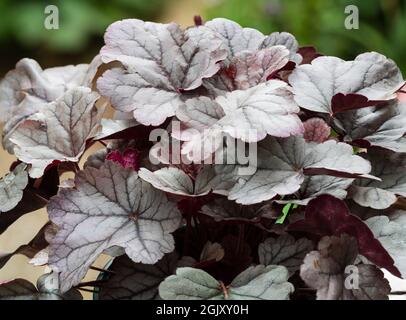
(285, 211)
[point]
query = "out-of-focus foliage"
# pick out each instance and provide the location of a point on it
(382, 25)
(79, 20)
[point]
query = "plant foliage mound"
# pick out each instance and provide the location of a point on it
(237, 165)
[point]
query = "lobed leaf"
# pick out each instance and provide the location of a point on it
(59, 132)
(255, 283)
(25, 90)
(316, 130)
(284, 163)
(238, 39)
(370, 75)
(159, 61)
(109, 206)
(249, 115)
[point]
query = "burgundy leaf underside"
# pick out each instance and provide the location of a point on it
(351, 101)
(327, 216)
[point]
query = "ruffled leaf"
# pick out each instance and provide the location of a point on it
(248, 69)
(249, 115)
(238, 39)
(28, 88)
(35, 196)
(111, 127)
(316, 130)
(59, 132)
(371, 75)
(314, 186)
(160, 61)
(176, 181)
(284, 163)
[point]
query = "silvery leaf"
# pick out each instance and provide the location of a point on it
(28, 88)
(238, 39)
(112, 126)
(11, 188)
(284, 163)
(176, 181)
(287, 40)
(255, 283)
(370, 75)
(313, 186)
(390, 168)
(108, 207)
(380, 126)
(159, 62)
(59, 132)
(249, 115)
(392, 235)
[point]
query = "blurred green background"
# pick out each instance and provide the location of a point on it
(382, 23)
(313, 22)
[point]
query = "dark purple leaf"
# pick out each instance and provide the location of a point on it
(327, 215)
(308, 53)
(325, 271)
(351, 101)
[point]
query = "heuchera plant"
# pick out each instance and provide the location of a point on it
(316, 210)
